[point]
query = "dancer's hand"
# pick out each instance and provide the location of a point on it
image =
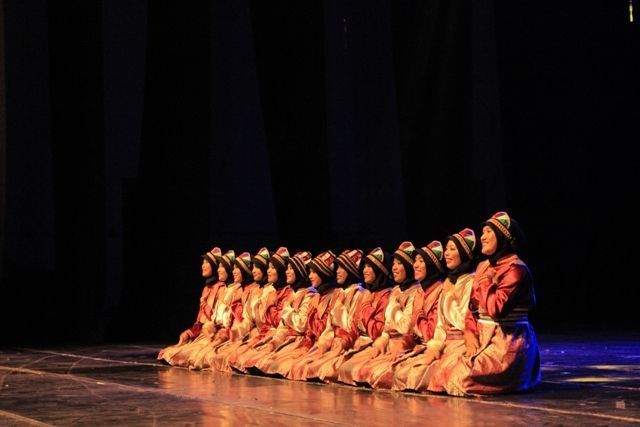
(396, 350)
(339, 345)
(184, 337)
(395, 354)
(472, 343)
(430, 356)
(377, 350)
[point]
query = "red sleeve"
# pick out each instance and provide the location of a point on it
(203, 310)
(470, 322)
(274, 311)
(375, 320)
(236, 310)
(272, 315)
(366, 311)
(426, 322)
(349, 337)
(500, 296)
(203, 305)
(195, 329)
(427, 312)
(315, 326)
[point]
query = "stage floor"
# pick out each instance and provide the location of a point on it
(586, 381)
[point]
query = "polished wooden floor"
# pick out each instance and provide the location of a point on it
(587, 381)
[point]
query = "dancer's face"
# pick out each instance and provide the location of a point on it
(399, 272)
(237, 274)
(369, 274)
(272, 274)
(315, 279)
(420, 268)
(341, 275)
(452, 256)
(489, 241)
(291, 275)
(257, 274)
(222, 273)
(206, 268)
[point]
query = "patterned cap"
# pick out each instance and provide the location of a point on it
(433, 252)
(213, 256)
(300, 263)
(280, 258)
(243, 261)
(350, 261)
(262, 258)
(405, 253)
(378, 258)
(324, 264)
(502, 223)
(228, 259)
(466, 240)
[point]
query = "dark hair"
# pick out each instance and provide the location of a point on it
(300, 283)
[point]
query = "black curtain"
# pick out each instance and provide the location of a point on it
(165, 206)
(569, 89)
(433, 65)
(290, 62)
(140, 134)
(77, 141)
(54, 253)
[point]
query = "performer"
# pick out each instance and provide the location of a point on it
(429, 271)
(229, 308)
(397, 337)
(245, 313)
(296, 305)
(322, 321)
(322, 279)
(265, 312)
(340, 332)
(208, 300)
(447, 343)
(370, 316)
(502, 353)
(211, 327)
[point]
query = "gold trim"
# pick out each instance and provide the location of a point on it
(464, 244)
(404, 255)
(301, 268)
(261, 260)
(242, 265)
(278, 257)
(320, 265)
(501, 227)
(212, 258)
(434, 258)
(348, 264)
(227, 261)
(378, 264)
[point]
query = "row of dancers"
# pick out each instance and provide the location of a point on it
(437, 318)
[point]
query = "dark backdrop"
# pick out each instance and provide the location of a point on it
(140, 134)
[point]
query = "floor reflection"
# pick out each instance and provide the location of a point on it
(587, 383)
